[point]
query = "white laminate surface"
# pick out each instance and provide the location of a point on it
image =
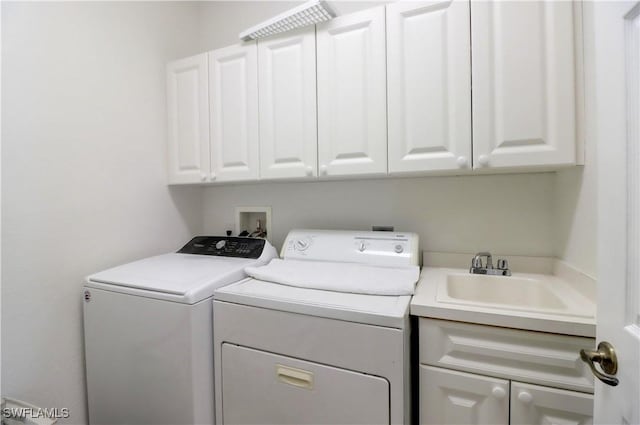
(575, 317)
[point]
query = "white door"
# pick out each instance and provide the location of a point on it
(613, 32)
(429, 86)
(287, 87)
(264, 388)
(523, 83)
(188, 120)
(536, 405)
(352, 104)
(233, 100)
(452, 397)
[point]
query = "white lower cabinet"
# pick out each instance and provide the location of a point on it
(492, 362)
(533, 405)
(452, 397)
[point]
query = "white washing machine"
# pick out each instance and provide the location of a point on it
(290, 353)
(148, 332)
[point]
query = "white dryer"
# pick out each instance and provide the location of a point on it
(148, 332)
(295, 354)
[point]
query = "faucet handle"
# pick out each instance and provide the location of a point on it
(476, 262)
(503, 264)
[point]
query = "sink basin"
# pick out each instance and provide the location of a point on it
(531, 301)
(502, 290)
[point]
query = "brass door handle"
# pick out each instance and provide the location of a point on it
(606, 356)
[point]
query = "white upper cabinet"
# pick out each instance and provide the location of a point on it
(188, 120)
(352, 120)
(429, 86)
(415, 87)
(233, 89)
(523, 83)
(287, 86)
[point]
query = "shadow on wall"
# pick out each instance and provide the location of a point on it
(503, 213)
(188, 203)
(568, 187)
(575, 217)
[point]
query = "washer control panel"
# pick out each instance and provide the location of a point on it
(374, 247)
(224, 246)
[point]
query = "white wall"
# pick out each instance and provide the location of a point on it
(510, 214)
(575, 216)
(83, 173)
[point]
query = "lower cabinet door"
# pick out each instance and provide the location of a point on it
(264, 388)
(452, 397)
(532, 404)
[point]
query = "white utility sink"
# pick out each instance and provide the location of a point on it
(507, 291)
(538, 302)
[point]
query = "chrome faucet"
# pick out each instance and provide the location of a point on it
(502, 268)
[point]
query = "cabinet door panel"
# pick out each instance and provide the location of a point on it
(287, 85)
(429, 85)
(537, 357)
(523, 83)
(188, 120)
(352, 130)
(234, 112)
(451, 397)
(533, 405)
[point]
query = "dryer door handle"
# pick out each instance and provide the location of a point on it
(296, 377)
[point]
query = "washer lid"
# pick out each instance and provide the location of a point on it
(381, 310)
(178, 277)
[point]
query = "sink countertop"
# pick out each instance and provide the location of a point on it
(578, 318)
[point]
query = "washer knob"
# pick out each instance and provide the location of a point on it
(398, 248)
(220, 244)
(301, 245)
(362, 247)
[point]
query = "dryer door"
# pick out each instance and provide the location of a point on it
(264, 388)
